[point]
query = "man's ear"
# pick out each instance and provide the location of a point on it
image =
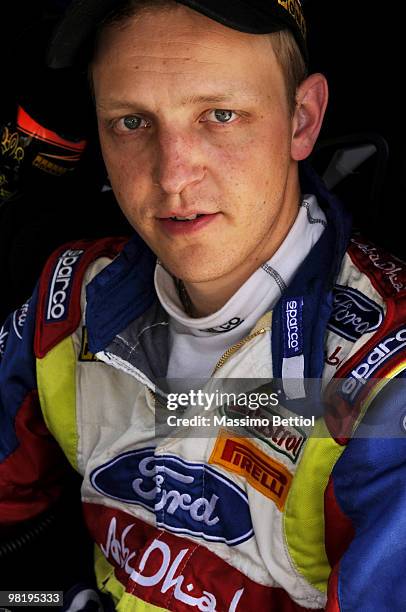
(311, 103)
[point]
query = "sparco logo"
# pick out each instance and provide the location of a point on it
(185, 497)
(353, 313)
(226, 327)
(59, 292)
(373, 362)
(293, 327)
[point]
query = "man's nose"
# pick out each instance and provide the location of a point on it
(179, 162)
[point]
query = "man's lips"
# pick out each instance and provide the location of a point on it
(183, 214)
(172, 227)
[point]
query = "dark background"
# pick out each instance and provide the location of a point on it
(357, 45)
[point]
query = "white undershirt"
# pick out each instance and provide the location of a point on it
(196, 345)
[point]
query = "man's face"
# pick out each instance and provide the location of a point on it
(194, 120)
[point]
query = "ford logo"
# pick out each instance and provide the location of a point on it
(353, 313)
(186, 497)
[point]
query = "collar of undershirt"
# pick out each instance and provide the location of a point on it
(261, 291)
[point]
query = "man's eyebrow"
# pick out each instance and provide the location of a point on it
(111, 104)
(208, 98)
(191, 100)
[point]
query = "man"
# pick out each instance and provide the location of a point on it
(238, 270)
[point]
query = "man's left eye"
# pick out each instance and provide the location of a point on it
(222, 116)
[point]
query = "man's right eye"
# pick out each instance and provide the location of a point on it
(131, 123)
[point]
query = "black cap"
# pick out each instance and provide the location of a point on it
(251, 16)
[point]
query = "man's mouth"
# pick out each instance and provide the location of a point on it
(190, 218)
(181, 225)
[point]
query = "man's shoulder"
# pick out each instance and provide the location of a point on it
(367, 327)
(385, 271)
(369, 296)
(60, 290)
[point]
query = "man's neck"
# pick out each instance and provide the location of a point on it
(205, 298)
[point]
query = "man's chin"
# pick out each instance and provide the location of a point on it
(194, 272)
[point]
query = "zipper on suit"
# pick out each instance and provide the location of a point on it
(233, 349)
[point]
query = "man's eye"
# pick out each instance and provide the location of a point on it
(131, 123)
(222, 116)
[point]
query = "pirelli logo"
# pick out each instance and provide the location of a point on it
(264, 473)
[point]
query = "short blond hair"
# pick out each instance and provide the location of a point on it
(291, 62)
